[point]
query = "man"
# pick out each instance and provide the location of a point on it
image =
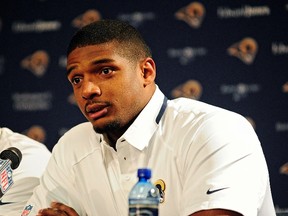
(209, 160)
(35, 157)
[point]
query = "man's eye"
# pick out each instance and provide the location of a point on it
(106, 70)
(75, 80)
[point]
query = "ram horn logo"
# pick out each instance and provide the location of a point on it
(37, 133)
(160, 184)
(37, 63)
(193, 14)
(190, 89)
(285, 87)
(71, 99)
(245, 50)
(86, 18)
(284, 169)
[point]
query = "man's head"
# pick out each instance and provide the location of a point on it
(104, 31)
(112, 73)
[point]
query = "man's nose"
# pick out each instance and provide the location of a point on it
(90, 90)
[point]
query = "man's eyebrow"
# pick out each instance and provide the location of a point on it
(100, 61)
(69, 70)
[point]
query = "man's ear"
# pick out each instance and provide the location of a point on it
(148, 71)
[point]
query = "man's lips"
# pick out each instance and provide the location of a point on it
(95, 111)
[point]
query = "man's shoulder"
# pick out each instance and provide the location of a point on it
(188, 111)
(186, 106)
(80, 135)
(77, 143)
(192, 106)
(82, 128)
(79, 132)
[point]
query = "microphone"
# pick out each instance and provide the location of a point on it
(9, 160)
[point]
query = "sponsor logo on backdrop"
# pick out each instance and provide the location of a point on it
(279, 48)
(245, 50)
(240, 90)
(71, 99)
(281, 211)
(284, 169)
(281, 126)
(36, 132)
(62, 62)
(86, 18)
(137, 18)
(2, 63)
(62, 131)
(246, 11)
(285, 87)
(186, 54)
(39, 101)
(193, 14)
(36, 63)
(190, 89)
(37, 26)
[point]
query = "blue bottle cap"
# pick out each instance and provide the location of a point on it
(144, 173)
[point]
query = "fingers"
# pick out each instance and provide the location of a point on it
(51, 212)
(58, 209)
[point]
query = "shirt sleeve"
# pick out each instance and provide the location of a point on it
(56, 184)
(14, 200)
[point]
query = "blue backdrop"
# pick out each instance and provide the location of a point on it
(233, 54)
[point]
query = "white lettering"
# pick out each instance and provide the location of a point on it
(240, 90)
(62, 61)
(186, 54)
(37, 26)
(280, 127)
(246, 11)
(281, 210)
(137, 18)
(32, 101)
(279, 48)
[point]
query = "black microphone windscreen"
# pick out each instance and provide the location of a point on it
(13, 154)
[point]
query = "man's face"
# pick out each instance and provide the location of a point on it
(109, 89)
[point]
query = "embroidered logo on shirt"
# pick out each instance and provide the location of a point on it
(27, 210)
(160, 184)
(4, 203)
(209, 191)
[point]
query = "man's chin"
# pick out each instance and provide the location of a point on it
(112, 126)
(99, 130)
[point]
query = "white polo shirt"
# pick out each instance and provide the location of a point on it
(206, 156)
(35, 157)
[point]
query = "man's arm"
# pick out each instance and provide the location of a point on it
(216, 212)
(57, 209)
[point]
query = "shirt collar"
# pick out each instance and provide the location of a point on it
(144, 126)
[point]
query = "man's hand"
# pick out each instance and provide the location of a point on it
(57, 209)
(216, 212)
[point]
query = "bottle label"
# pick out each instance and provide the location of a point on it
(142, 210)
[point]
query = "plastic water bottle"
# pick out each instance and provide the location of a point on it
(144, 196)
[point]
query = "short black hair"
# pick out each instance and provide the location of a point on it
(104, 31)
